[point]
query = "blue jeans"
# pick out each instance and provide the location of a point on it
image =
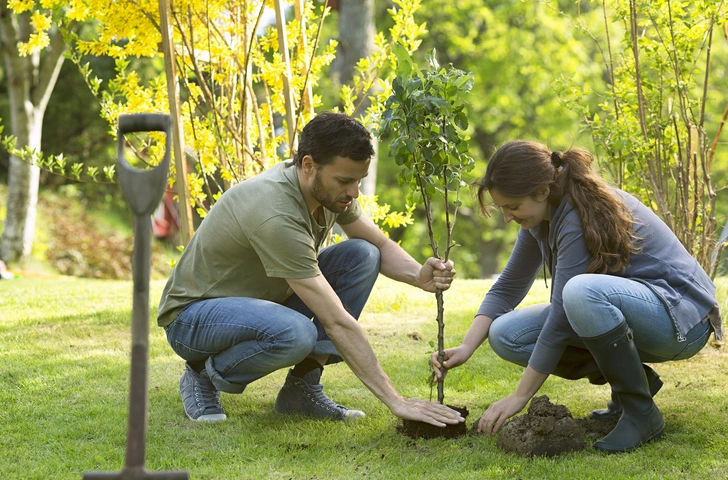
(240, 340)
(594, 305)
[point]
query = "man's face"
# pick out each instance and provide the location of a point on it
(336, 184)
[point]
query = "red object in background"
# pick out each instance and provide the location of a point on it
(165, 220)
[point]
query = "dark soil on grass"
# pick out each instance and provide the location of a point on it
(415, 429)
(546, 430)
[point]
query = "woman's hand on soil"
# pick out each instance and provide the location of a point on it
(499, 412)
(454, 357)
(428, 412)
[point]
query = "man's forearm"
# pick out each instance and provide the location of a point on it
(351, 343)
(398, 264)
(346, 335)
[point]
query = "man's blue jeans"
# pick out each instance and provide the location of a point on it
(596, 304)
(243, 339)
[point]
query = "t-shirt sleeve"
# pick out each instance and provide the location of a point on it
(352, 213)
(285, 248)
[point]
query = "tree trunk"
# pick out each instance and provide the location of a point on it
(30, 82)
(356, 41)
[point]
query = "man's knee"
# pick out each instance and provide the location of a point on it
(366, 253)
(297, 341)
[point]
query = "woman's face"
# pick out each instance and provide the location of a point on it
(526, 211)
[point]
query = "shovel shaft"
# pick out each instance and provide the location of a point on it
(142, 191)
(136, 438)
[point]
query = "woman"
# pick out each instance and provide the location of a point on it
(624, 291)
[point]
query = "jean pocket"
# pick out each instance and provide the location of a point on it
(695, 346)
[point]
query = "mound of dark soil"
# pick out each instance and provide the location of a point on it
(415, 429)
(546, 430)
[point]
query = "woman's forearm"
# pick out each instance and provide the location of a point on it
(478, 332)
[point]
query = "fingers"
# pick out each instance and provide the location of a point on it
(498, 413)
(442, 273)
(489, 420)
(437, 414)
(441, 267)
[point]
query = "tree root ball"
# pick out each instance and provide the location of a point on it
(546, 430)
(416, 429)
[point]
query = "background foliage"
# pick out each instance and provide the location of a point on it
(539, 73)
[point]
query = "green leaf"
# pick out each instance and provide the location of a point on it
(404, 61)
(431, 59)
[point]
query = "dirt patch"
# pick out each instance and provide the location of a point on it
(415, 429)
(596, 429)
(546, 430)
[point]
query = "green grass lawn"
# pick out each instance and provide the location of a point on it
(64, 354)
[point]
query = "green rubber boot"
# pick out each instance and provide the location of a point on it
(614, 407)
(619, 361)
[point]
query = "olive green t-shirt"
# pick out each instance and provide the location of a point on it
(257, 234)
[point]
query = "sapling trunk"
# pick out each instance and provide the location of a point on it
(439, 293)
(440, 342)
(426, 113)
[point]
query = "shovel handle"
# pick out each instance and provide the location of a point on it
(143, 189)
(144, 122)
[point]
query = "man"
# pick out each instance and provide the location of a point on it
(239, 303)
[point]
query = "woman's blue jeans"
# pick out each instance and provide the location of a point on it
(594, 305)
(240, 340)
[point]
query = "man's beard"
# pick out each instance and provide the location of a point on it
(325, 199)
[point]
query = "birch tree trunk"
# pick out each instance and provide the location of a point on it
(30, 83)
(356, 41)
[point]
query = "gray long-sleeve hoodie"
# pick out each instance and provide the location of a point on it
(664, 265)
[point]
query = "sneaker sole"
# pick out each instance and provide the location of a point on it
(215, 417)
(354, 416)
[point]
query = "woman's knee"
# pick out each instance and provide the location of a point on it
(576, 290)
(579, 297)
(498, 338)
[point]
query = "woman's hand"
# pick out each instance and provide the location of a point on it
(499, 412)
(454, 357)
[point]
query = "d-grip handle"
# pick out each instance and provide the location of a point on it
(143, 189)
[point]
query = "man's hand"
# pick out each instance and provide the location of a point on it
(454, 357)
(435, 274)
(428, 412)
(499, 412)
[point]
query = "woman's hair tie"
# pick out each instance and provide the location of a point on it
(556, 159)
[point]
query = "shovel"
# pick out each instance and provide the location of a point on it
(142, 189)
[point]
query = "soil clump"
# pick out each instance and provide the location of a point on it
(417, 429)
(546, 430)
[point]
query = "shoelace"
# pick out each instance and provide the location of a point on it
(207, 397)
(316, 393)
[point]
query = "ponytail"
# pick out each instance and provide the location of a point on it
(607, 223)
(523, 168)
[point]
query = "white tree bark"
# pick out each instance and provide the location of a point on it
(31, 80)
(356, 41)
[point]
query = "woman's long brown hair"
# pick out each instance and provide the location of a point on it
(523, 168)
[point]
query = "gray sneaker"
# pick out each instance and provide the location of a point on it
(305, 396)
(200, 397)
